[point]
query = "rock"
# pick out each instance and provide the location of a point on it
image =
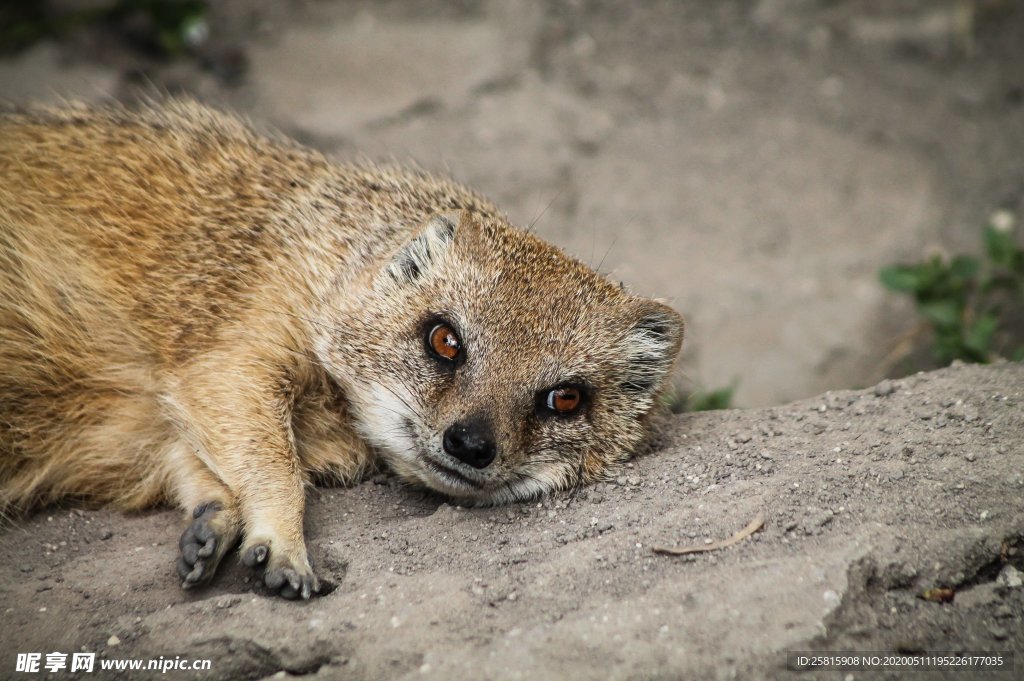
(329, 77)
(885, 388)
(1010, 577)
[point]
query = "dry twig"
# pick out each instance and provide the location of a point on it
(756, 524)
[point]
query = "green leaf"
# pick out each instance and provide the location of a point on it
(979, 336)
(1000, 246)
(713, 399)
(964, 267)
(904, 278)
(942, 313)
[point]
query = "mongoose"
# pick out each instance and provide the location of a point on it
(196, 313)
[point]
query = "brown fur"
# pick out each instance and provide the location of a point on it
(192, 313)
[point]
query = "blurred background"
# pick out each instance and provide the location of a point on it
(755, 163)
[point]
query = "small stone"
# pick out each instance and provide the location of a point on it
(113, 641)
(970, 456)
(885, 388)
(107, 534)
(1010, 577)
(998, 632)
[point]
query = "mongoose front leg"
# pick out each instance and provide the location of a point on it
(213, 516)
(240, 425)
(211, 534)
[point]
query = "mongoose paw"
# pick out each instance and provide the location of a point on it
(202, 545)
(290, 578)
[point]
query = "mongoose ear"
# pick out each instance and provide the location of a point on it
(652, 345)
(420, 252)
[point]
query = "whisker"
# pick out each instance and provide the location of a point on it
(529, 229)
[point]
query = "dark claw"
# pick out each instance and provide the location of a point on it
(256, 555)
(289, 584)
(198, 541)
(208, 548)
(274, 579)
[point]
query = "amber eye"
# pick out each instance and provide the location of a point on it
(564, 400)
(443, 340)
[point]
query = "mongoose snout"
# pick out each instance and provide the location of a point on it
(471, 442)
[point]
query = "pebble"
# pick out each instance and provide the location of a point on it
(885, 388)
(113, 641)
(107, 534)
(971, 456)
(1010, 577)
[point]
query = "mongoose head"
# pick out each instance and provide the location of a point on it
(489, 366)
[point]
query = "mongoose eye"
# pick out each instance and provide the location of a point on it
(444, 342)
(564, 400)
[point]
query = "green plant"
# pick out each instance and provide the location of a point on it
(679, 401)
(969, 303)
(169, 27)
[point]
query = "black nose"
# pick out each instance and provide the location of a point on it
(471, 442)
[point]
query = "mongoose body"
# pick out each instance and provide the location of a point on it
(197, 314)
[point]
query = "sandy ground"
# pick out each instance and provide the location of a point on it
(754, 162)
(869, 497)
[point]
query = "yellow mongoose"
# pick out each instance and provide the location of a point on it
(194, 313)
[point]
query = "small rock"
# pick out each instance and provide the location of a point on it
(1010, 577)
(225, 602)
(107, 534)
(970, 456)
(999, 633)
(113, 641)
(885, 388)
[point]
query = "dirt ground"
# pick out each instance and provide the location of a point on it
(869, 498)
(754, 162)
